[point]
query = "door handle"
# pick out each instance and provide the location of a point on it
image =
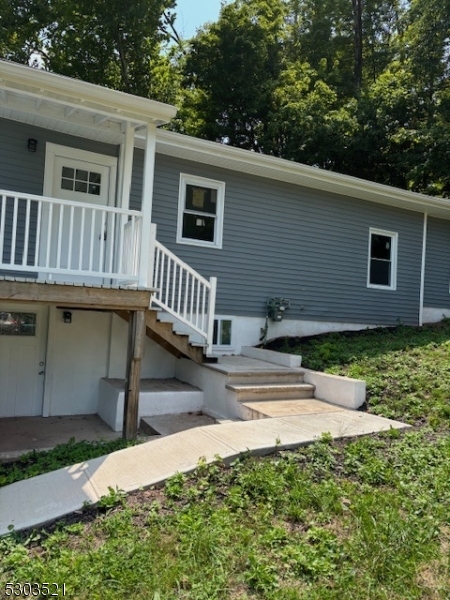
(41, 372)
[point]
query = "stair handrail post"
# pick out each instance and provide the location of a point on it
(211, 314)
(151, 258)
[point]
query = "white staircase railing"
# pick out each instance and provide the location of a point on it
(182, 292)
(49, 236)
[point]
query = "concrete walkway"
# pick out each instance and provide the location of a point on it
(48, 497)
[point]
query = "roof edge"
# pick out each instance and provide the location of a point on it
(285, 170)
(54, 85)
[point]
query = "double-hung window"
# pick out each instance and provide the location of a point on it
(382, 268)
(200, 211)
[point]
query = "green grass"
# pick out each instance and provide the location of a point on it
(407, 369)
(367, 518)
(35, 463)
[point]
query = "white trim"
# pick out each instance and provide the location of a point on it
(54, 150)
(223, 348)
(394, 251)
(43, 312)
(422, 269)
(146, 204)
(126, 154)
(81, 95)
(219, 186)
(270, 167)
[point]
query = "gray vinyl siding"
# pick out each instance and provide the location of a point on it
(23, 171)
(437, 264)
(284, 240)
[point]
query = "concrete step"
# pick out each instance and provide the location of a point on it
(173, 423)
(272, 391)
(156, 397)
(250, 411)
(260, 377)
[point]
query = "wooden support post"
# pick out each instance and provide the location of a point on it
(136, 337)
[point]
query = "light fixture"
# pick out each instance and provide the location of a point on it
(32, 145)
(67, 316)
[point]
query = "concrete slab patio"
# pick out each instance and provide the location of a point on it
(45, 498)
(19, 435)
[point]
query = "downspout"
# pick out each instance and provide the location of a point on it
(422, 273)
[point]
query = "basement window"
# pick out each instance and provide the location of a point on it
(382, 267)
(222, 333)
(200, 211)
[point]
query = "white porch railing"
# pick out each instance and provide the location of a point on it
(183, 292)
(48, 236)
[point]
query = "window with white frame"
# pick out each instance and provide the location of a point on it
(223, 332)
(382, 268)
(200, 211)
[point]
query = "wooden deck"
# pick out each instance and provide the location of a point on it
(74, 295)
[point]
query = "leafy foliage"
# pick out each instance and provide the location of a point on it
(360, 87)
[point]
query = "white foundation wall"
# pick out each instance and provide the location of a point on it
(434, 315)
(77, 357)
(247, 330)
(81, 353)
(157, 362)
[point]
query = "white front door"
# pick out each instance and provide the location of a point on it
(79, 238)
(23, 333)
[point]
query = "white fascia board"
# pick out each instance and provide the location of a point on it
(236, 159)
(86, 96)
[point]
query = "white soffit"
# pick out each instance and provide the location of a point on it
(252, 163)
(72, 106)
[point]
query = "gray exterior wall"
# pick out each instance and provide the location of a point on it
(278, 240)
(437, 264)
(282, 240)
(23, 171)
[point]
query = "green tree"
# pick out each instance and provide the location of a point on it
(230, 72)
(117, 44)
(307, 122)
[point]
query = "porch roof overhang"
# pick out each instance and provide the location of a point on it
(261, 165)
(72, 106)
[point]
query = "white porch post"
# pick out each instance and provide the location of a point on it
(125, 167)
(147, 201)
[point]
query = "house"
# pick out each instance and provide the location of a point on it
(103, 214)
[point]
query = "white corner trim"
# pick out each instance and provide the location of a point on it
(422, 269)
(186, 179)
(394, 254)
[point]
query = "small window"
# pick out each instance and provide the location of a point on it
(222, 333)
(382, 271)
(200, 211)
(79, 180)
(18, 324)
